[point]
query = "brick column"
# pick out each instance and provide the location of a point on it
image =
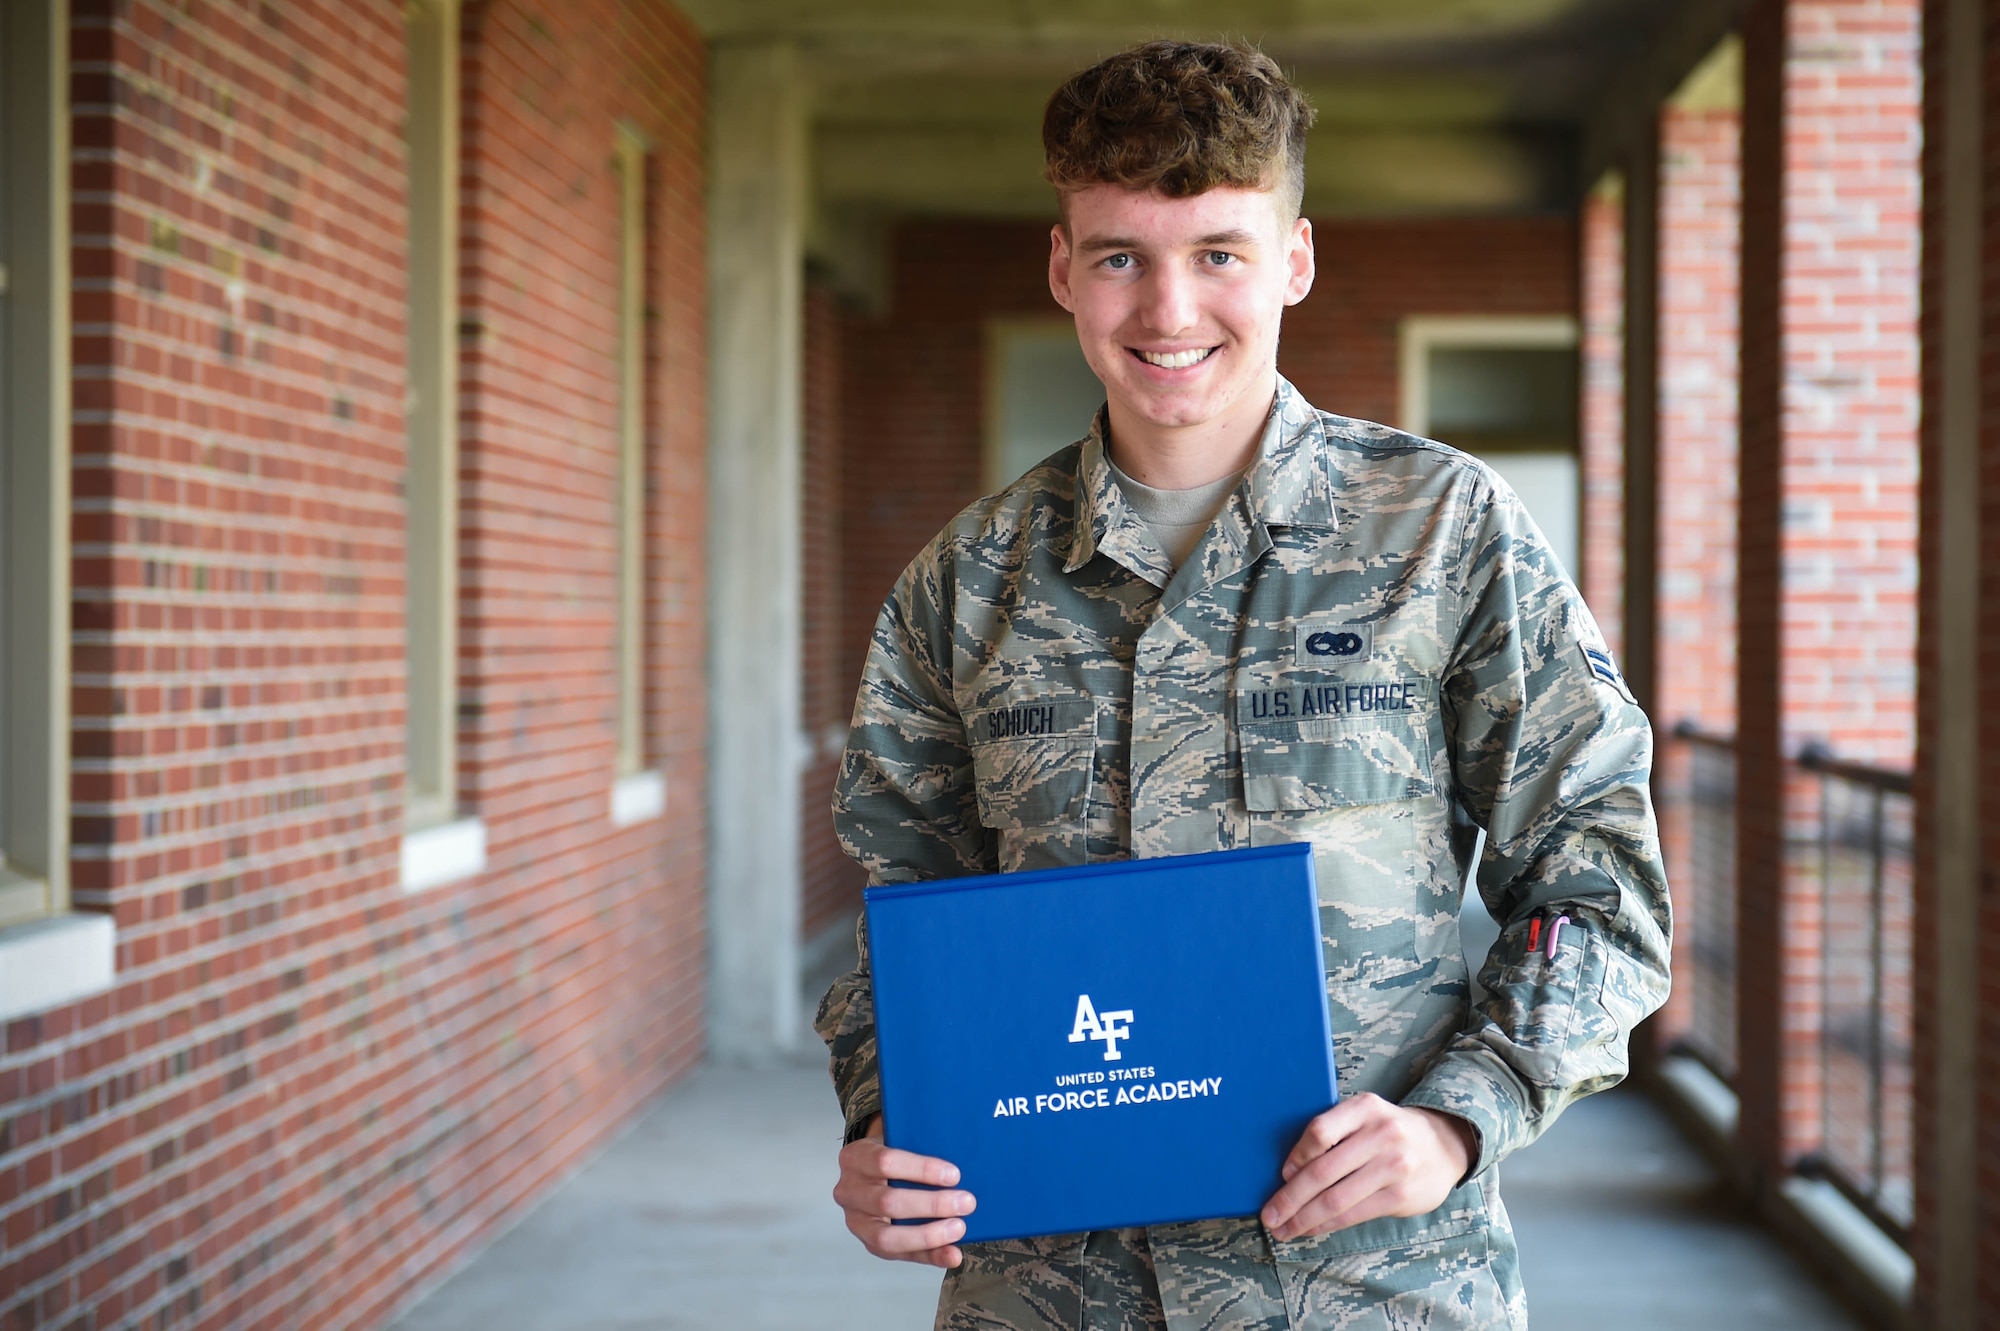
(1700, 170)
(1639, 611)
(1955, 1234)
(1826, 600)
(1601, 447)
(1700, 136)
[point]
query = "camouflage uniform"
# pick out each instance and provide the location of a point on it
(1371, 650)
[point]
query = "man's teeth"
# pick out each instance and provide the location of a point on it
(1175, 360)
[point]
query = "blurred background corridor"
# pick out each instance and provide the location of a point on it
(452, 454)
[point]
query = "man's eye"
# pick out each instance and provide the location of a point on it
(1118, 262)
(1220, 258)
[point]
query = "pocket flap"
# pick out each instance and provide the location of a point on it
(1334, 763)
(1031, 761)
(1033, 718)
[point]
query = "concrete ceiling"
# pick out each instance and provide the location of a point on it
(1103, 25)
(928, 107)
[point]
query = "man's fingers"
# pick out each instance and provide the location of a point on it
(910, 1167)
(1318, 1174)
(1320, 1136)
(864, 1194)
(1368, 1192)
(911, 1242)
(1328, 1130)
(946, 1257)
(908, 1203)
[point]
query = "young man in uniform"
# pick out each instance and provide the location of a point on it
(1255, 622)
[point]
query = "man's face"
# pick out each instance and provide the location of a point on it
(1178, 301)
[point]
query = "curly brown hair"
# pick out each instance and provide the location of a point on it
(1182, 118)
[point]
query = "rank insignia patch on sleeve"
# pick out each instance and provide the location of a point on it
(1601, 665)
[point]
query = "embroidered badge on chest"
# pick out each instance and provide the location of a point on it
(1324, 644)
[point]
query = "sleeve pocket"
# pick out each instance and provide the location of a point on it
(1536, 1003)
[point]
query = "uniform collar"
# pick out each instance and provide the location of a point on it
(1287, 486)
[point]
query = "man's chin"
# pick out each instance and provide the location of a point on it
(1175, 408)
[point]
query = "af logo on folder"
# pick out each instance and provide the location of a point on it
(1123, 1044)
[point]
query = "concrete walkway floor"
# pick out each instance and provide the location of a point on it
(714, 1213)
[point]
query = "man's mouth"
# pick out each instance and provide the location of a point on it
(1175, 360)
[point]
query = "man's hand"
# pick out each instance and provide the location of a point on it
(866, 1166)
(1365, 1158)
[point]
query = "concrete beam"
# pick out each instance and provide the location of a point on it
(1375, 173)
(995, 170)
(1095, 29)
(757, 222)
(1630, 107)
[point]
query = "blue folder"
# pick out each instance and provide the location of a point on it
(1123, 1044)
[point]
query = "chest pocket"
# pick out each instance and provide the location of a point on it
(1031, 760)
(1354, 787)
(1031, 765)
(1335, 763)
(1351, 786)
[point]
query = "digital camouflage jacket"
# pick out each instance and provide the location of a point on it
(1372, 650)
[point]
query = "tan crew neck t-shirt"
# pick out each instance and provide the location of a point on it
(1177, 518)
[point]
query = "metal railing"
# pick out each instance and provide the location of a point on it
(1708, 804)
(1862, 834)
(1866, 863)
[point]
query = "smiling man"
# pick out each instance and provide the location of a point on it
(1253, 622)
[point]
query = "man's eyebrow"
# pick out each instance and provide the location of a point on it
(1093, 244)
(1101, 244)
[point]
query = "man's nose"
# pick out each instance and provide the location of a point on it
(1170, 306)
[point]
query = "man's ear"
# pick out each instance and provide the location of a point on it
(1299, 258)
(1059, 266)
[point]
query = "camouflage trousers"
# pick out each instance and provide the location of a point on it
(1453, 1270)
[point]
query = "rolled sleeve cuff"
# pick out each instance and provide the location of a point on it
(1474, 1085)
(865, 1105)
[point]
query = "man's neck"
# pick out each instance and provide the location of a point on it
(1184, 457)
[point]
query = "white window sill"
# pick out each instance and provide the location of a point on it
(46, 963)
(638, 798)
(1887, 1273)
(1706, 1095)
(434, 856)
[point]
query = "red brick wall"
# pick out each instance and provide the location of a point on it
(830, 883)
(912, 398)
(310, 1093)
(913, 379)
(1601, 411)
(1340, 345)
(1827, 526)
(1923, 1236)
